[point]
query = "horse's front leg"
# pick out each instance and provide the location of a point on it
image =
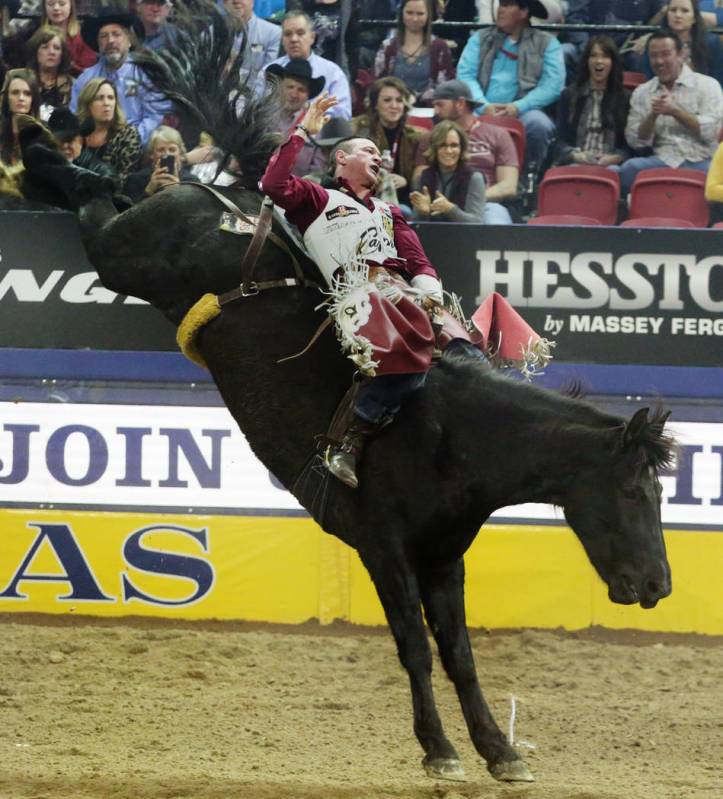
(442, 592)
(398, 592)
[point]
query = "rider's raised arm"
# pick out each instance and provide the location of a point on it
(304, 198)
(288, 191)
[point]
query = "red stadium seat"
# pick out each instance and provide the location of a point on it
(633, 79)
(656, 221)
(670, 193)
(590, 190)
(421, 118)
(563, 219)
(515, 128)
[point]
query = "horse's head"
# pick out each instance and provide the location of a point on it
(614, 508)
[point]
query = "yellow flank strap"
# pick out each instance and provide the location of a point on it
(206, 309)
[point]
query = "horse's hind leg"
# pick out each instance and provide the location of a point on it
(397, 589)
(442, 592)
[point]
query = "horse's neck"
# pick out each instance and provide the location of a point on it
(551, 445)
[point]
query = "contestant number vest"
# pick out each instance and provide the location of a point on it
(347, 229)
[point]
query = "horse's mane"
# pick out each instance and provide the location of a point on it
(199, 70)
(519, 397)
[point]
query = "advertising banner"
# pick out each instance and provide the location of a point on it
(605, 295)
(191, 460)
(285, 570)
(50, 295)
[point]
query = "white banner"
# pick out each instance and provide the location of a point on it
(195, 457)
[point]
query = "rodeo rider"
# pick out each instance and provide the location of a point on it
(342, 216)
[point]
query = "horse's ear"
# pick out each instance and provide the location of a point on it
(660, 421)
(634, 428)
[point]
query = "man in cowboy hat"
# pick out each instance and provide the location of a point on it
(110, 34)
(297, 38)
(516, 70)
(68, 130)
(297, 86)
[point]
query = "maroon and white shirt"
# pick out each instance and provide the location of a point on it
(341, 215)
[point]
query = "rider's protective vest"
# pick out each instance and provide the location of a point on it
(346, 229)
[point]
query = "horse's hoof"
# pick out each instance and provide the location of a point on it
(511, 771)
(444, 768)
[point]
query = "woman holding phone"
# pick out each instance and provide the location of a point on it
(165, 165)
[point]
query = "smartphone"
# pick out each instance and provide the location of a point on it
(169, 162)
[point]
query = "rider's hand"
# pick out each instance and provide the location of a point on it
(430, 290)
(316, 117)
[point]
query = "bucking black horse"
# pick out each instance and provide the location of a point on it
(470, 442)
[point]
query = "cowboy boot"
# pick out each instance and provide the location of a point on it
(342, 461)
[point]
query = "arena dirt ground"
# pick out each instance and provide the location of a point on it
(138, 710)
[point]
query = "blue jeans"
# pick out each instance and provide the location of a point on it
(540, 131)
(496, 214)
(630, 168)
(379, 400)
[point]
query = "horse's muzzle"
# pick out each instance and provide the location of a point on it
(647, 590)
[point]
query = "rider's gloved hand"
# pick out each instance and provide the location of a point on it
(430, 290)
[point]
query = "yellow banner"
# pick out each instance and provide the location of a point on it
(285, 570)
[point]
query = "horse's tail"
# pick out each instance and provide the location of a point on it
(203, 69)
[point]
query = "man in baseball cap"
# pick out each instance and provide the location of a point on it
(491, 149)
(516, 70)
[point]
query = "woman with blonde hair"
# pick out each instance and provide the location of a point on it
(48, 54)
(19, 95)
(165, 165)
(449, 190)
(59, 14)
(113, 140)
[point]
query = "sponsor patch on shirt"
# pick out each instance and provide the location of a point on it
(341, 211)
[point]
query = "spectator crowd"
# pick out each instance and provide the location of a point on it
(467, 124)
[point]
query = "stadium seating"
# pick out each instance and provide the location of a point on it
(633, 79)
(670, 193)
(656, 221)
(590, 190)
(515, 128)
(563, 219)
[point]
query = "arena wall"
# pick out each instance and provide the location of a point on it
(127, 489)
(284, 569)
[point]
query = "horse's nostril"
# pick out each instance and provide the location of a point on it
(653, 587)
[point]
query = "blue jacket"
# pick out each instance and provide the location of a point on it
(547, 91)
